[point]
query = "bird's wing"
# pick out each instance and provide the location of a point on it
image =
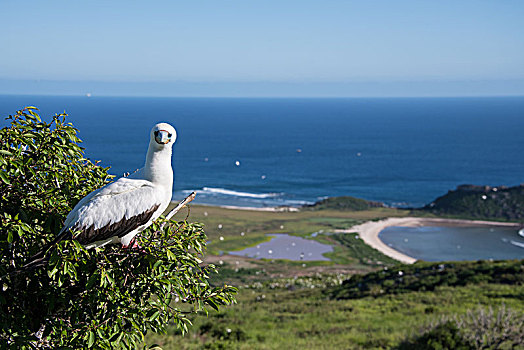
(114, 210)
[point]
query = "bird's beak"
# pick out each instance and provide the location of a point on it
(162, 137)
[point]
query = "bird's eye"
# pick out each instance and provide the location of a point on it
(169, 135)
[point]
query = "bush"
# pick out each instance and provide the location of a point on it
(477, 329)
(102, 298)
(442, 337)
(487, 329)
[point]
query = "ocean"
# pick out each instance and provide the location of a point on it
(275, 151)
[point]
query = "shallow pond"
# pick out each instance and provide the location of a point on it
(283, 246)
(435, 243)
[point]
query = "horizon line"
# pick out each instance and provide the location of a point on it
(85, 95)
(355, 89)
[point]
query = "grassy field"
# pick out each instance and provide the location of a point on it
(305, 317)
(286, 305)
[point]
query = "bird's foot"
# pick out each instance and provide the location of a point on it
(132, 245)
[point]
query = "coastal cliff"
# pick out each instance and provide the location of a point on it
(466, 201)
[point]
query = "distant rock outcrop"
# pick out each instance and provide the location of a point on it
(481, 202)
(344, 203)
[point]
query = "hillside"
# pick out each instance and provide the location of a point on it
(401, 307)
(481, 202)
(424, 276)
(358, 300)
(344, 203)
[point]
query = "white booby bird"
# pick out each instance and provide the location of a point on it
(118, 211)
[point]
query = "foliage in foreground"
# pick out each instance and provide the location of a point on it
(427, 276)
(102, 298)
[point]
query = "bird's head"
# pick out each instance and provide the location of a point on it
(163, 134)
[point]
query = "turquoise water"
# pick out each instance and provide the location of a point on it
(432, 243)
(267, 152)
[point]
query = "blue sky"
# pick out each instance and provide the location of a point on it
(262, 48)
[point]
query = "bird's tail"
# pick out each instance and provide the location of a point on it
(42, 257)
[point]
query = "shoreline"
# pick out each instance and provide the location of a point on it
(369, 231)
(234, 207)
(270, 209)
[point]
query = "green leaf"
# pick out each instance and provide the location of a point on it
(4, 178)
(170, 255)
(212, 304)
(91, 281)
(154, 316)
(110, 279)
(114, 337)
(78, 245)
(91, 339)
(157, 264)
(7, 153)
(120, 336)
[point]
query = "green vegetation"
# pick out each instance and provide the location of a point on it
(230, 229)
(103, 298)
(357, 249)
(423, 276)
(287, 305)
(284, 304)
(477, 329)
(294, 313)
(344, 203)
(481, 202)
(443, 336)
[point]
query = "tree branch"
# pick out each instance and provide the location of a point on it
(180, 205)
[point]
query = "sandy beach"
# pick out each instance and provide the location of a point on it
(370, 230)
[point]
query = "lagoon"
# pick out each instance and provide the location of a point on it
(283, 246)
(441, 243)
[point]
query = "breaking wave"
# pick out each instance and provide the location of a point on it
(518, 244)
(226, 192)
(223, 196)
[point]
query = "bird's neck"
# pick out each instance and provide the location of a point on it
(158, 166)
